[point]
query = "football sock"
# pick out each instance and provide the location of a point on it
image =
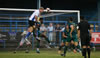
(88, 50)
(27, 35)
(84, 52)
(65, 49)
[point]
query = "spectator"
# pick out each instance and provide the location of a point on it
(43, 28)
(50, 32)
(57, 29)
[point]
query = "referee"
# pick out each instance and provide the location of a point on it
(84, 33)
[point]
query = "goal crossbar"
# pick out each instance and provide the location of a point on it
(67, 11)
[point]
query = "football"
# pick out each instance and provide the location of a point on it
(47, 9)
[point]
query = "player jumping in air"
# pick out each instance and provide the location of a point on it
(38, 34)
(32, 23)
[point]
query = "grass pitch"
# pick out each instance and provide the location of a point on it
(44, 54)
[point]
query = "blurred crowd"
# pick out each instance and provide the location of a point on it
(53, 32)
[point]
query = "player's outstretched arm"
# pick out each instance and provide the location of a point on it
(64, 35)
(36, 18)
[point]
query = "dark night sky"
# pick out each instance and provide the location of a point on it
(53, 4)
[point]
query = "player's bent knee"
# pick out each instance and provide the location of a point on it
(21, 44)
(62, 44)
(30, 29)
(72, 42)
(33, 26)
(76, 43)
(28, 43)
(66, 43)
(88, 47)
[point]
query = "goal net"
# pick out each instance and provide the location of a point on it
(16, 20)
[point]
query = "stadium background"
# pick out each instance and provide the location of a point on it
(90, 9)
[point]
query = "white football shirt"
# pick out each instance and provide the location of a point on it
(36, 13)
(50, 28)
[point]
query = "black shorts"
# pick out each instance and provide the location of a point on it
(85, 40)
(31, 23)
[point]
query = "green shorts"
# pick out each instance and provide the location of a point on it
(66, 40)
(75, 38)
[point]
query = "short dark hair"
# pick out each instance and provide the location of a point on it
(41, 20)
(70, 19)
(82, 17)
